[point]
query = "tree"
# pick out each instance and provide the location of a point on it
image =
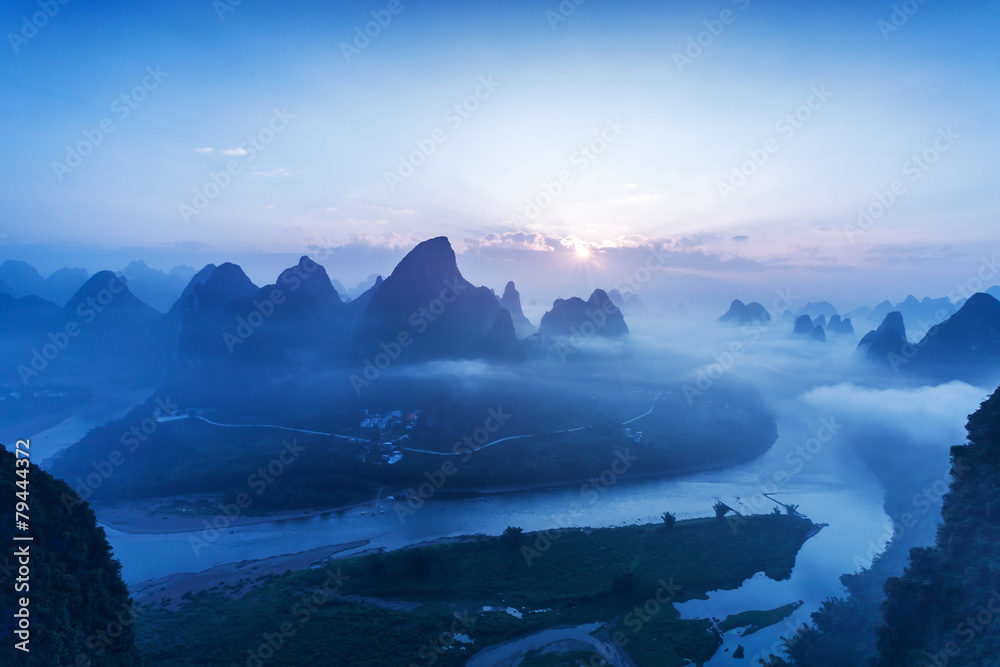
(623, 585)
(511, 537)
(669, 519)
(721, 509)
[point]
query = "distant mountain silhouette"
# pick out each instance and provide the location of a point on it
(430, 309)
(103, 330)
(819, 309)
(745, 313)
(298, 320)
(356, 307)
(843, 327)
(206, 311)
(25, 318)
(575, 317)
(804, 326)
(64, 283)
(160, 290)
(920, 314)
(511, 301)
(966, 345)
(629, 303)
(887, 344)
(21, 279)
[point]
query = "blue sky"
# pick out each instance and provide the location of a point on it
(555, 86)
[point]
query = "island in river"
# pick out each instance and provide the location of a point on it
(605, 595)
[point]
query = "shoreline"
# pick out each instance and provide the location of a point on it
(124, 516)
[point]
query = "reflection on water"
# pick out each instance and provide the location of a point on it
(832, 488)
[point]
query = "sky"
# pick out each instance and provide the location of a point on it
(847, 149)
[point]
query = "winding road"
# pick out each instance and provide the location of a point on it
(413, 449)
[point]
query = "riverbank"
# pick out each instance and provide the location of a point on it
(497, 588)
(195, 513)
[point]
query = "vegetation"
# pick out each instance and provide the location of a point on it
(669, 519)
(728, 426)
(628, 577)
(923, 616)
(79, 606)
(754, 621)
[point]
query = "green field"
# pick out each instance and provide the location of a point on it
(628, 578)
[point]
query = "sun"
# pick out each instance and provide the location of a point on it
(582, 251)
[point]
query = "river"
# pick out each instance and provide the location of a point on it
(832, 487)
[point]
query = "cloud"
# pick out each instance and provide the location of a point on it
(931, 415)
(277, 173)
(206, 149)
(235, 151)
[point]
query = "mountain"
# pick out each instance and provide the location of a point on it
(21, 279)
(300, 319)
(76, 592)
(887, 344)
(204, 312)
(160, 290)
(362, 287)
(25, 318)
(821, 309)
(629, 303)
(804, 326)
(429, 309)
(943, 609)
(966, 345)
(511, 300)
(840, 326)
(64, 283)
(745, 313)
(921, 314)
(596, 317)
(356, 307)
